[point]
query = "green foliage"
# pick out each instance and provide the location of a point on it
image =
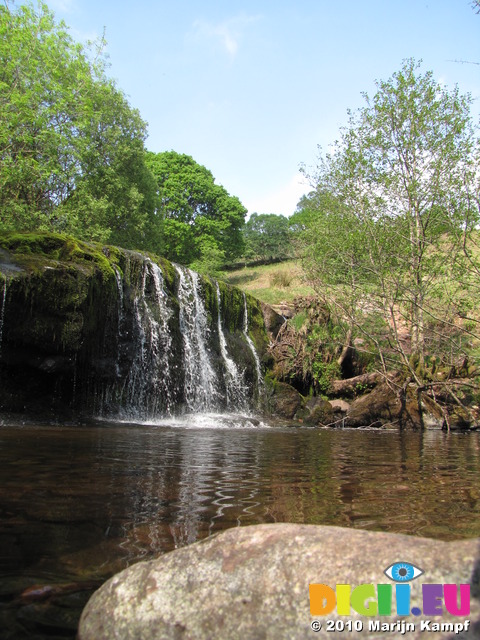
(212, 258)
(200, 222)
(324, 373)
(266, 237)
(307, 348)
(385, 232)
(299, 320)
(71, 148)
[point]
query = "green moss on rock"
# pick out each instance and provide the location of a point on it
(65, 303)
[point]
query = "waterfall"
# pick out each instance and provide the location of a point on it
(2, 312)
(148, 386)
(172, 353)
(142, 340)
(201, 387)
(234, 380)
(251, 345)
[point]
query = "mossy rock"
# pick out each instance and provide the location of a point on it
(68, 326)
(285, 401)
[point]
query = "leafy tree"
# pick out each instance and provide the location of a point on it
(390, 222)
(201, 223)
(71, 148)
(267, 237)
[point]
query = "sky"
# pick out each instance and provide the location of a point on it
(250, 88)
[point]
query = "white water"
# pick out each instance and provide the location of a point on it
(258, 367)
(201, 386)
(164, 371)
(204, 420)
(234, 379)
(148, 384)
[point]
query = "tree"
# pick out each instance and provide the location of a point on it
(201, 223)
(391, 219)
(71, 148)
(267, 237)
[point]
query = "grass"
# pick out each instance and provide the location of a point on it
(272, 283)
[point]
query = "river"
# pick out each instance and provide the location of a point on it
(79, 503)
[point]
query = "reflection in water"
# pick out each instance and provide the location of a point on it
(78, 504)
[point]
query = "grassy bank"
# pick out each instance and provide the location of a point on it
(272, 283)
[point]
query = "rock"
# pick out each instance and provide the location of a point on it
(318, 412)
(432, 414)
(252, 583)
(88, 329)
(285, 400)
(273, 320)
(374, 409)
(340, 406)
(460, 419)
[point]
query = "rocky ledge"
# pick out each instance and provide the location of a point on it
(88, 329)
(253, 582)
(375, 401)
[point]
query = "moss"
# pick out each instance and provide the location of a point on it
(62, 318)
(210, 299)
(168, 271)
(256, 326)
(46, 244)
(231, 300)
(36, 251)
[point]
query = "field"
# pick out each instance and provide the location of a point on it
(271, 283)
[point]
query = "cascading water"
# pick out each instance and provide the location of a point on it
(169, 357)
(140, 340)
(148, 386)
(251, 346)
(234, 379)
(200, 379)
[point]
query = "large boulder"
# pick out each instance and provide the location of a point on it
(285, 401)
(380, 406)
(253, 582)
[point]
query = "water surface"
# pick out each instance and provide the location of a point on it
(78, 504)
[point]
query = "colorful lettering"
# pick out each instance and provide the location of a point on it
(322, 599)
(360, 596)
(432, 599)
(450, 595)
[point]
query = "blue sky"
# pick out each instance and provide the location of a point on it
(249, 89)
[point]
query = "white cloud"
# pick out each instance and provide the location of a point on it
(281, 201)
(64, 6)
(227, 33)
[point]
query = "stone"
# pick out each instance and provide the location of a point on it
(374, 409)
(340, 406)
(253, 583)
(77, 318)
(432, 413)
(273, 320)
(319, 412)
(285, 400)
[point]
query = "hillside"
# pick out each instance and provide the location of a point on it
(274, 284)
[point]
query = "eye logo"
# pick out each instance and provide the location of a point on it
(403, 572)
(367, 600)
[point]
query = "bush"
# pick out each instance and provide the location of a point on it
(281, 279)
